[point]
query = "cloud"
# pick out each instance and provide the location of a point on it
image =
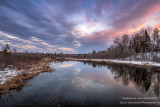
(67, 49)
(125, 18)
(72, 25)
(33, 44)
(134, 14)
(77, 44)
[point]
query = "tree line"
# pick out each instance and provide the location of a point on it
(145, 43)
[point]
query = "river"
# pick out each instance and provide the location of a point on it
(88, 84)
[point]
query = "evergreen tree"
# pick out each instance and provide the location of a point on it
(6, 50)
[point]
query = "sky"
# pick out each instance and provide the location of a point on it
(72, 26)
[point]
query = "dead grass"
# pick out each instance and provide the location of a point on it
(145, 64)
(109, 62)
(19, 81)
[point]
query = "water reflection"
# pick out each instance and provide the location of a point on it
(67, 65)
(86, 84)
(144, 79)
(78, 70)
(95, 64)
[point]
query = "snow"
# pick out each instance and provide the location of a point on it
(139, 59)
(51, 64)
(8, 74)
(149, 63)
(149, 56)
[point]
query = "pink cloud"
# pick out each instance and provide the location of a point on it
(127, 21)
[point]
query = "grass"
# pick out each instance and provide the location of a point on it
(108, 62)
(19, 81)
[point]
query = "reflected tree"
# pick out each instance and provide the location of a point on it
(144, 79)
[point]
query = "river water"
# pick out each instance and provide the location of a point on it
(89, 84)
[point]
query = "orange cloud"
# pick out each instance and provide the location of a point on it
(129, 24)
(67, 49)
(158, 26)
(67, 65)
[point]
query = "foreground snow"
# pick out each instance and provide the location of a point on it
(122, 61)
(8, 73)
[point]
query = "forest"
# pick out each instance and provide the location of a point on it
(143, 45)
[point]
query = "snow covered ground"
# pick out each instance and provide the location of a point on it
(139, 59)
(149, 56)
(122, 61)
(7, 74)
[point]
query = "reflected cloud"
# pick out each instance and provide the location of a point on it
(145, 80)
(78, 70)
(94, 79)
(67, 65)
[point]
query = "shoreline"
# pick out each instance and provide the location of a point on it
(116, 61)
(17, 81)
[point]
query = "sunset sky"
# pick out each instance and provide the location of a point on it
(72, 26)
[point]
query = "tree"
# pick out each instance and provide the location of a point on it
(156, 39)
(55, 54)
(94, 52)
(125, 44)
(147, 41)
(6, 50)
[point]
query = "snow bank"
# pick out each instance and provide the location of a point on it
(149, 56)
(122, 61)
(8, 74)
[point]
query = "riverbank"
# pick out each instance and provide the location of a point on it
(128, 62)
(15, 79)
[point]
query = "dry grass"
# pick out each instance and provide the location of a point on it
(16, 82)
(145, 64)
(109, 62)
(19, 81)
